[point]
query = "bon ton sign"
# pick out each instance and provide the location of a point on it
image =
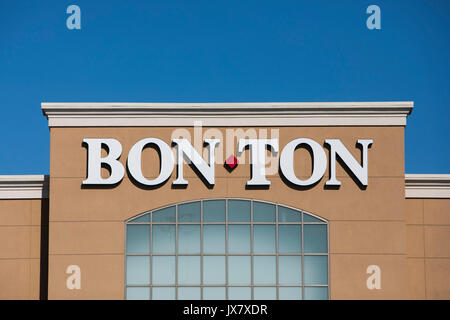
(203, 156)
(175, 153)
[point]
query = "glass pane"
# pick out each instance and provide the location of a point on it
(239, 293)
(265, 293)
(214, 239)
(189, 270)
(239, 270)
(189, 239)
(309, 218)
(163, 238)
(138, 293)
(238, 210)
(290, 270)
(143, 218)
(188, 293)
(163, 270)
(289, 239)
(316, 293)
(316, 270)
(138, 270)
(239, 238)
(138, 238)
(264, 239)
(214, 293)
(315, 238)
(164, 215)
(290, 293)
(263, 212)
(264, 269)
(189, 212)
(288, 215)
(163, 293)
(214, 211)
(214, 270)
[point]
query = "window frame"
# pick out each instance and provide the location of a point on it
(226, 254)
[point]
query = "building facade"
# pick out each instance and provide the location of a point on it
(225, 201)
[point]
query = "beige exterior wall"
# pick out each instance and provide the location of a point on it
(366, 226)
(20, 247)
(409, 239)
(428, 235)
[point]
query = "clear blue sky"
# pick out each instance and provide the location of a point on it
(223, 51)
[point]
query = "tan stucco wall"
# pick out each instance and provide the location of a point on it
(366, 226)
(428, 234)
(20, 246)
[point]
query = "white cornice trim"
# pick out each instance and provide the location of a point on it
(24, 187)
(227, 114)
(427, 186)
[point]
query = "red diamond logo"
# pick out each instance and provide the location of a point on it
(231, 161)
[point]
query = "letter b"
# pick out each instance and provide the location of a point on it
(95, 161)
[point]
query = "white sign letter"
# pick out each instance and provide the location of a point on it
(319, 159)
(258, 158)
(361, 172)
(186, 149)
(135, 157)
(95, 161)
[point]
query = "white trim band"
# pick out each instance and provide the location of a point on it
(24, 187)
(427, 186)
(227, 114)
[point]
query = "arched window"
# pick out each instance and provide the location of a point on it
(226, 249)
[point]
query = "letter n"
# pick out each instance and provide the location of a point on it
(187, 151)
(359, 170)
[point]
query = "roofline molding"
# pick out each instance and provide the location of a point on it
(24, 186)
(227, 114)
(37, 186)
(427, 186)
